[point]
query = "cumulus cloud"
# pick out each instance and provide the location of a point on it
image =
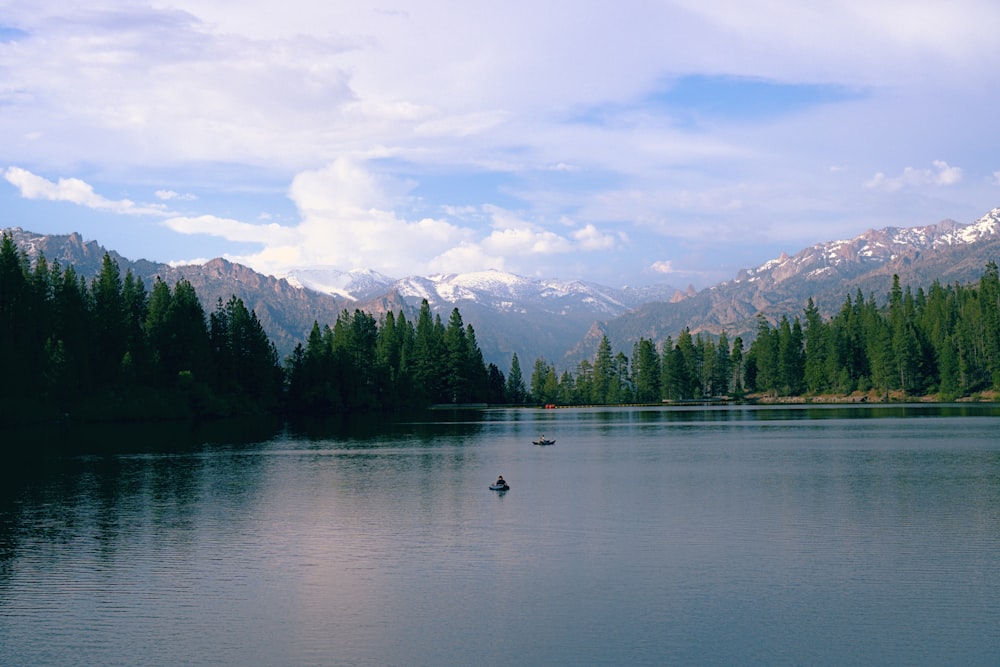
(349, 219)
(663, 266)
(75, 191)
(941, 175)
(589, 238)
(464, 258)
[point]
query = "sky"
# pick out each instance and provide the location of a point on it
(632, 142)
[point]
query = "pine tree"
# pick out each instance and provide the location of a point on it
(496, 385)
(766, 359)
(517, 393)
(109, 317)
(72, 325)
(723, 367)
(15, 340)
(539, 379)
(477, 371)
(989, 286)
(458, 363)
(817, 350)
(244, 360)
(948, 371)
(646, 363)
(621, 389)
(737, 384)
(688, 368)
(676, 374)
(567, 389)
(791, 361)
(136, 306)
(604, 373)
(185, 339)
(429, 356)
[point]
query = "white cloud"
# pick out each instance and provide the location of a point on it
(75, 191)
(466, 257)
(167, 195)
(941, 175)
(663, 266)
(524, 242)
(589, 238)
(233, 230)
(558, 115)
(347, 220)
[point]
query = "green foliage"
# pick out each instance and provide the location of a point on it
(517, 392)
(109, 349)
(646, 371)
(364, 364)
(946, 341)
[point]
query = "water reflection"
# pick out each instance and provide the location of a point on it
(692, 535)
(371, 427)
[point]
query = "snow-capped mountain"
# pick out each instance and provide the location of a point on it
(510, 293)
(825, 272)
(498, 290)
(509, 313)
(354, 285)
(874, 248)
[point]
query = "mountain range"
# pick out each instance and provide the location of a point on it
(563, 321)
(826, 272)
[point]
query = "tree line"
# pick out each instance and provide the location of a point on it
(943, 341)
(110, 349)
(364, 363)
(107, 348)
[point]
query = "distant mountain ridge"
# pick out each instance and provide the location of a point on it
(510, 313)
(826, 272)
(513, 314)
(563, 321)
(501, 289)
(283, 310)
(356, 285)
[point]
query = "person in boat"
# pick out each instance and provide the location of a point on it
(501, 481)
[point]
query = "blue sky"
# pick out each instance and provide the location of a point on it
(632, 142)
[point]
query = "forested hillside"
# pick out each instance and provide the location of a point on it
(943, 342)
(108, 349)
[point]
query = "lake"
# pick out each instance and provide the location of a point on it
(647, 536)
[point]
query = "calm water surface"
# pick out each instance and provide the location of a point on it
(728, 536)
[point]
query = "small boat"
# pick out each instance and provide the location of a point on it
(500, 487)
(543, 441)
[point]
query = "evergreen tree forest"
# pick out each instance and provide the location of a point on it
(361, 363)
(943, 342)
(110, 349)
